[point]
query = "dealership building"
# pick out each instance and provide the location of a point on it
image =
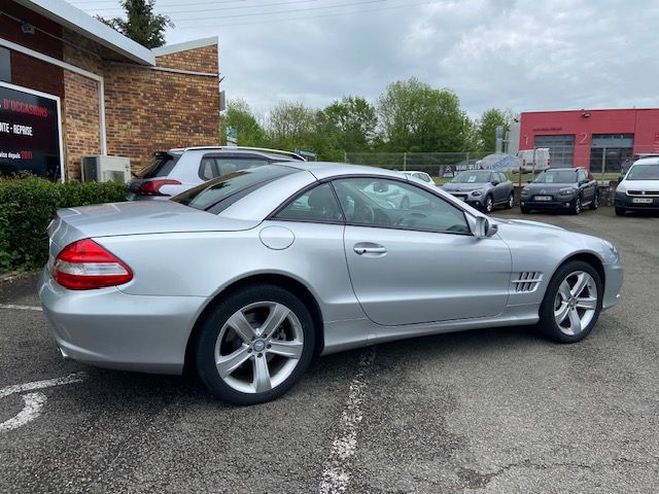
(72, 87)
(602, 140)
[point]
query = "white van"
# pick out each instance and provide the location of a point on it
(533, 160)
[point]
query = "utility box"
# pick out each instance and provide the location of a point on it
(105, 169)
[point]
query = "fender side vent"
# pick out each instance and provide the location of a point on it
(526, 281)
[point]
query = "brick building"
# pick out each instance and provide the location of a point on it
(111, 95)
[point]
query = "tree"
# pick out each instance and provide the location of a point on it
(239, 116)
(141, 24)
(416, 117)
(487, 127)
(353, 122)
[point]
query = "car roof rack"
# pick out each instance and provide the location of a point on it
(243, 148)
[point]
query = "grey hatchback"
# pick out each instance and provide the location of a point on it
(483, 189)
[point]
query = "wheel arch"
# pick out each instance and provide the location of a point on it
(588, 257)
(284, 281)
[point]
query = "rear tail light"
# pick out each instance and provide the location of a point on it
(152, 187)
(85, 265)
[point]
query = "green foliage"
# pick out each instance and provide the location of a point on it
(28, 204)
(141, 24)
(487, 127)
(239, 116)
(352, 121)
(418, 118)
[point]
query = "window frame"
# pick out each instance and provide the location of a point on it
(402, 228)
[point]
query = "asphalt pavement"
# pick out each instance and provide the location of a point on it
(488, 411)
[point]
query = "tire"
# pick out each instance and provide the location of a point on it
(596, 201)
(250, 308)
(576, 207)
(511, 201)
(488, 205)
(405, 203)
(620, 211)
(567, 330)
(524, 210)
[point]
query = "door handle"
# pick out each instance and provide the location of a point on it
(362, 249)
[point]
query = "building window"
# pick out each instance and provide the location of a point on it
(5, 65)
(610, 152)
(561, 149)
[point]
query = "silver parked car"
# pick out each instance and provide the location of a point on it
(180, 169)
(249, 276)
(483, 189)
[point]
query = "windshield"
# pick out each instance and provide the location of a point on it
(472, 177)
(557, 177)
(643, 172)
(161, 166)
(212, 193)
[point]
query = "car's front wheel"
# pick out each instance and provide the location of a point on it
(254, 345)
(576, 206)
(620, 211)
(511, 201)
(488, 206)
(572, 303)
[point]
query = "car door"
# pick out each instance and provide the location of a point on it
(421, 264)
(587, 188)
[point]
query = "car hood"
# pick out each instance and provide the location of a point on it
(639, 185)
(460, 187)
(549, 188)
(136, 218)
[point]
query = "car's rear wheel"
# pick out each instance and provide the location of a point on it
(572, 303)
(255, 345)
(511, 201)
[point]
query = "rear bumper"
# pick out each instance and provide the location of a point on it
(108, 328)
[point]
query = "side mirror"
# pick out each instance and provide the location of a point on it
(485, 228)
(495, 182)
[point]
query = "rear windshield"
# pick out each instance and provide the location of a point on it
(209, 195)
(643, 172)
(161, 167)
(557, 177)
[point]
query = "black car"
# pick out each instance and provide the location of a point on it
(568, 189)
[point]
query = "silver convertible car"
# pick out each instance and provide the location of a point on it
(247, 277)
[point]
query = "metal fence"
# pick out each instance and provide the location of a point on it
(434, 164)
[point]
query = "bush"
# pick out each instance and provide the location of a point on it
(26, 207)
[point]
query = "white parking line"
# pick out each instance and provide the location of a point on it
(336, 472)
(33, 402)
(21, 307)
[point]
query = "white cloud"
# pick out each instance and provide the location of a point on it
(553, 54)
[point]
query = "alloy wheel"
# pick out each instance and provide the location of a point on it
(259, 347)
(575, 303)
(489, 205)
(577, 205)
(511, 201)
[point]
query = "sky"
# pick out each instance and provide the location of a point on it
(517, 54)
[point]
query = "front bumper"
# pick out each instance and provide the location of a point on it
(469, 199)
(613, 277)
(554, 204)
(108, 328)
(624, 201)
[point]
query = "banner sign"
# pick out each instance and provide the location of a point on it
(30, 132)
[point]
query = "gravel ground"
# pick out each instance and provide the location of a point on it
(497, 411)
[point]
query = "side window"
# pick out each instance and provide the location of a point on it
(502, 177)
(216, 166)
(393, 204)
(581, 175)
(208, 168)
(317, 204)
(423, 176)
